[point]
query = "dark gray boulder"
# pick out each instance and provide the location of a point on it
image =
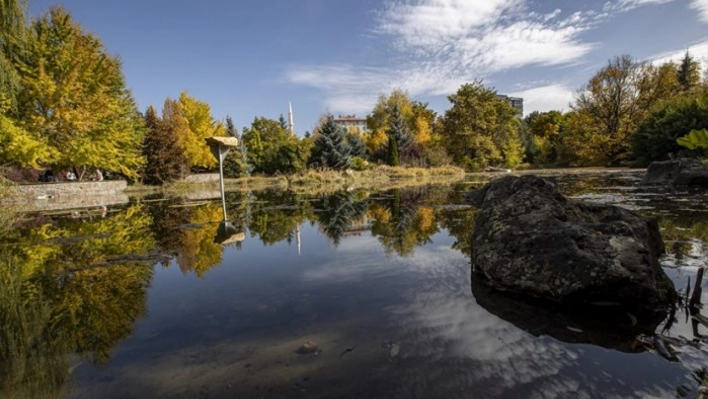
(684, 171)
(529, 239)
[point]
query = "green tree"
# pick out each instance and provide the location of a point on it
(331, 149)
(544, 129)
(74, 99)
(271, 149)
(164, 159)
(398, 135)
(688, 75)
(655, 138)
(392, 157)
(481, 130)
(235, 162)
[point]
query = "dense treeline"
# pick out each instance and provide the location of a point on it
(65, 107)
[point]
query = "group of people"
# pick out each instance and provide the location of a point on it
(49, 177)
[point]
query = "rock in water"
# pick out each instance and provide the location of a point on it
(531, 240)
(684, 171)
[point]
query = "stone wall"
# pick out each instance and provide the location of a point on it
(55, 196)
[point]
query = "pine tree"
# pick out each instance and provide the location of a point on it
(392, 154)
(688, 75)
(331, 147)
(235, 163)
(399, 136)
(165, 161)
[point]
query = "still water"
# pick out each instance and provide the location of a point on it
(347, 295)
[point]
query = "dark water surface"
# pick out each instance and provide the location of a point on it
(348, 295)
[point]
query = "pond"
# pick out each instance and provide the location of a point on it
(346, 295)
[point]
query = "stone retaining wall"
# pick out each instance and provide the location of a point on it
(55, 196)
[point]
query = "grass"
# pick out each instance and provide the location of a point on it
(7, 215)
(316, 181)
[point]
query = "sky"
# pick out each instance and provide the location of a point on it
(249, 58)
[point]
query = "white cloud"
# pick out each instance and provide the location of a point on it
(546, 98)
(701, 6)
(441, 44)
(699, 52)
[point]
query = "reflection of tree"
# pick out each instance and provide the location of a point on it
(68, 288)
(460, 224)
(188, 233)
(274, 215)
(400, 224)
(338, 212)
(679, 236)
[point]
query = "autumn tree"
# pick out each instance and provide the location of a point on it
(74, 99)
(331, 149)
(12, 28)
(544, 129)
(201, 125)
(481, 130)
(616, 99)
(164, 159)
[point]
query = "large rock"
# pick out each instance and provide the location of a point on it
(684, 171)
(529, 239)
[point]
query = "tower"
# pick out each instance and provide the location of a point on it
(291, 122)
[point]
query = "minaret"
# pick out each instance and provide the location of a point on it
(291, 123)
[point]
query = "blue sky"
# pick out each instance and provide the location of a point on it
(248, 58)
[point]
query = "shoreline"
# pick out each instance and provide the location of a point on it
(65, 197)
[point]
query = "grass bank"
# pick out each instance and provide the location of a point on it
(317, 181)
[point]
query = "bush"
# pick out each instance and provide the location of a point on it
(655, 138)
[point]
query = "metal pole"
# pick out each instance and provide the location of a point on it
(222, 154)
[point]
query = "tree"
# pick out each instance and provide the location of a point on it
(331, 149)
(164, 159)
(688, 75)
(616, 99)
(12, 27)
(544, 129)
(201, 125)
(75, 100)
(398, 135)
(271, 149)
(235, 162)
(655, 138)
(480, 129)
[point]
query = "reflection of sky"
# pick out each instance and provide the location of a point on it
(239, 326)
(234, 333)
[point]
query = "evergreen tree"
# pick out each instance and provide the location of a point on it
(688, 75)
(165, 161)
(398, 129)
(331, 147)
(358, 149)
(392, 152)
(231, 130)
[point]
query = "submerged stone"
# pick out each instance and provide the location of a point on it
(529, 239)
(684, 171)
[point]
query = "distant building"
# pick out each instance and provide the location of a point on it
(516, 102)
(352, 123)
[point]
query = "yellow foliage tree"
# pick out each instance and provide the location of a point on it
(200, 126)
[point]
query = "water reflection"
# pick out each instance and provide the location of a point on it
(74, 292)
